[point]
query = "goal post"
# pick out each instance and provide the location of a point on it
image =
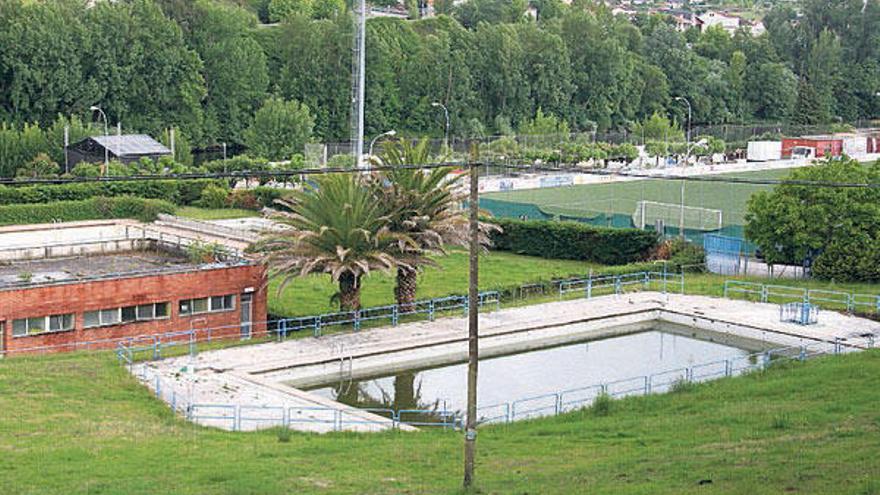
(695, 217)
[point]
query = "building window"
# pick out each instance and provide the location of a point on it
(127, 314)
(42, 324)
(206, 305)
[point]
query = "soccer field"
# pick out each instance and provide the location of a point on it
(617, 203)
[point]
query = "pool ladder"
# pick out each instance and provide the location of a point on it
(345, 376)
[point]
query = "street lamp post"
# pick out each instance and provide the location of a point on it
(446, 129)
(95, 108)
(687, 157)
(392, 132)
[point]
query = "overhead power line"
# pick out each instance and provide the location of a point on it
(693, 178)
(276, 174)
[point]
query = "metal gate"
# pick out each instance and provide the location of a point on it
(724, 254)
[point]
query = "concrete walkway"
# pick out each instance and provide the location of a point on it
(265, 374)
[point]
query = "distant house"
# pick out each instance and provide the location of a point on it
(126, 148)
(726, 22)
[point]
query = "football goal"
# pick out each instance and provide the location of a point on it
(695, 218)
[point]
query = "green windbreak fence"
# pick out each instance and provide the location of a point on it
(527, 211)
(709, 207)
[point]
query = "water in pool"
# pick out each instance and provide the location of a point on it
(509, 378)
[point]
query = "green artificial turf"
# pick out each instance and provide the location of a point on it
(622, 197)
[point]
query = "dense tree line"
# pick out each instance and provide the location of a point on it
(207, 67)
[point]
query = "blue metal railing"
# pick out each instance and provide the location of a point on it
(153, 345)
(237, 418)
(617, 284)
(768, 293)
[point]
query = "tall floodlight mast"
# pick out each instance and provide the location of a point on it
(359, 62)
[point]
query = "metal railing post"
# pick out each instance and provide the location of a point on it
(431, 310)
(394, 315)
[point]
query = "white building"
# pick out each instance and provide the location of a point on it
(709, 19)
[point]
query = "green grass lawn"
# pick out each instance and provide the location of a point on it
(622, 197)
(498, 270)
(311, 295)
(78, 424)
(214, 213)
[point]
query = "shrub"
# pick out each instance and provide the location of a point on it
(214, 196)
(266, 196)
(573, 241)
(682, 255)
(203, 252)
(244, 199)
(145, 210)
(183, 192)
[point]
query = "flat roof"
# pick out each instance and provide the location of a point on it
(51, 271)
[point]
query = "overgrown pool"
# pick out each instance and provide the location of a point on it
(653, 360)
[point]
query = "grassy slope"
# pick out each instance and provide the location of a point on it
(311, 295)
(77, 424)
(622, 197)
(214, 214)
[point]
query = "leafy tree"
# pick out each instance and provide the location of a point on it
(735, 78)
(327, 9)
(444, 7)
(145, 74)
(280, 129)
(809, 110)
(315, 69)
(822, 71)
(837, 228)
(235, 67)
(280, 10)
(658, 127)
(772, 91)
(40, 167)
(544, 125)
(336, 227)
(654, 91)
(473, 12)
(715, 43)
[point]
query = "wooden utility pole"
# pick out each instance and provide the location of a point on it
(470, 429)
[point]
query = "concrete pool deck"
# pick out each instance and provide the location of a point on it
(264, 375)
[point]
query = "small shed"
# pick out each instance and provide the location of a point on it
(125, 148)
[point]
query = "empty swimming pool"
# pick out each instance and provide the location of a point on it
(652, 360)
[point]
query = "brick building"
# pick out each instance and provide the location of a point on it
(130, 284)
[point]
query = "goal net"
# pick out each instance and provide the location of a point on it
(695, 218)
(580, 209)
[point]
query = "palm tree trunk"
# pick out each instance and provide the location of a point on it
(405, 291)
(349, 292)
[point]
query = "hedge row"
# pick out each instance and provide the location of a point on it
(182, 192)
(145, 210)
(573, 241)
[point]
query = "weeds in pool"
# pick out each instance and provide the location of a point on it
(681, 385)
(602, 405)
(780, 422)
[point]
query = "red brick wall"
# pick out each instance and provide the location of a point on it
(105, 294)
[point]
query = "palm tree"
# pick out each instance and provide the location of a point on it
(334, 226)
(425, 206)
